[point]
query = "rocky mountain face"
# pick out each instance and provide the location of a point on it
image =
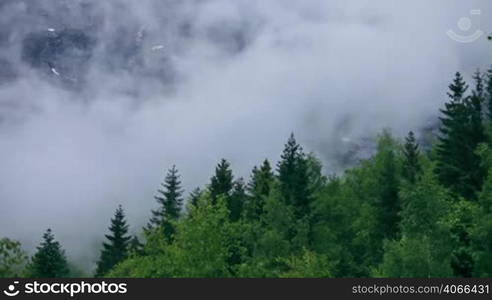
(62, 41)
(64, 54)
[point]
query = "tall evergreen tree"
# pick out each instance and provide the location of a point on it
(452, 121)
(170, 203)
(237, 200)
(116, 249)
(293, 177)
(387, 180)
(222, 182)
(411, 163)
(49, 260)
(258, 189)
(458, 164)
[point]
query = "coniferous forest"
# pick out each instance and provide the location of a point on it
(413, 209)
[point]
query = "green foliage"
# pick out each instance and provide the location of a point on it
(411, 163)
(259, 188)
(315, 174)
(222, 182)
(49, 260)
(481, 236)
(170, 204)
(201, 247)
(346, 223)
(402, 212)
(462, 131)
(270, 240)
(194, 196)
(481, 232)
(307, 265)
(293, 177)
(461, 221)
(13, 259)
(237, 200)
(117, 247)
(417, 256)
(424, 249)
(386, 172)
(424, 205)
(135, 247)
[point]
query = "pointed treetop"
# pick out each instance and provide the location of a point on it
(458, 88)
(116, 248)
(479, 83)
(49, 260)
(170, 200)
(222, 182)
(411, 152)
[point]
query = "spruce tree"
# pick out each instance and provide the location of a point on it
(170, 201)
(222, 182)
(49, 260)
(458, 165)
(116, 249)
(411, 163)
(258, 189)
(237, 200)
(293, 177)
(451, 131)
(387, 181)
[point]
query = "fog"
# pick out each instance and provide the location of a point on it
(99, 98)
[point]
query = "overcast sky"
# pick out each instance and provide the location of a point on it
(163, 82)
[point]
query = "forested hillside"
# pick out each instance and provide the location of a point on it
(405, 212)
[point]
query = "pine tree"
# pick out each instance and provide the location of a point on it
(449, 164)
(293, 177)
(411, 163)
(237, 200)
(222, 182)
(116, 249)
(258, 189)
(170, 201)
(458, 164)
(49, 260)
